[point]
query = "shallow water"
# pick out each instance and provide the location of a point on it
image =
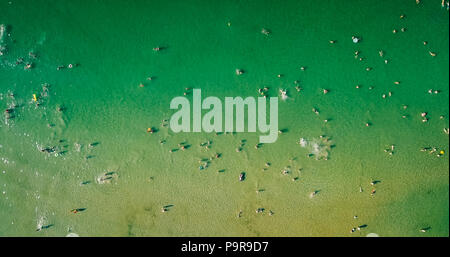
(110, 44)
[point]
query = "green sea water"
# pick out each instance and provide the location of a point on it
(99, 102)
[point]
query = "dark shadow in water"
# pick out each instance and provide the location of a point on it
(94, 144)
(45, 227)
(425, 229)
(78, 210)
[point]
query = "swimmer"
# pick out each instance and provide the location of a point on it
(32, 55)
(283, 94)
(19, 61)
(77, 210)
(242, 176)
(433, 54)
(259, 210)
(239, 72)
(423, 230)
(312, 194)
(265, 31)
(374, 182)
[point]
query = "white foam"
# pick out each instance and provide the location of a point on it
(319, 147)
(40, 222)
(303, 142)
(2, 32)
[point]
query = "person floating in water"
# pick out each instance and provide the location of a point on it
(77, 210)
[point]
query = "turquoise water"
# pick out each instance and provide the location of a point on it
(110, 44)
